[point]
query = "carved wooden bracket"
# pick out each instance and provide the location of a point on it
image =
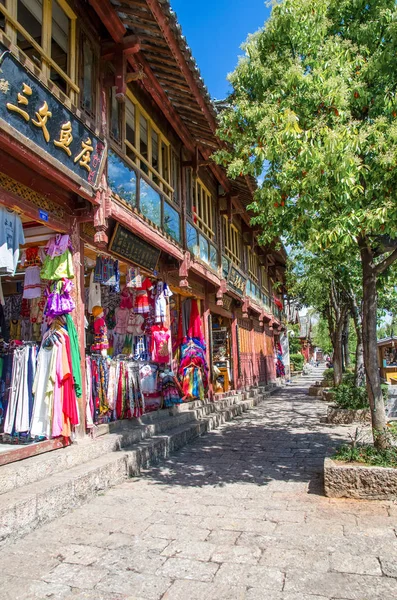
(245, 308)
(184, 271)
(221, 290)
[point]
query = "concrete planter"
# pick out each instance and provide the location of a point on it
(316, 390)
(328, 396)
(352, 480)
(345, 416)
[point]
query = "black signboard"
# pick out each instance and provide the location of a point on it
(33, 111)
(237, 281)
(134, 249)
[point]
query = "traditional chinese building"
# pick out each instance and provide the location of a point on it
(106, 135)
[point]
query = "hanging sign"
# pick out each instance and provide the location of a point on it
(134, 249)
(237, 281)
(33, 111)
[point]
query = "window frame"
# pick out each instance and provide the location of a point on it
(12, 27)
(203, 210)
(231, 241)
(83, 35)
(253, 266)
(164, 186)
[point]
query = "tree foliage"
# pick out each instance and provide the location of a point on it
(315, 105)
(314, 111)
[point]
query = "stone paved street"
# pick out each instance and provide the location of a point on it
(239, 514)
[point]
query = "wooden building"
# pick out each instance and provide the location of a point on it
(106, 134)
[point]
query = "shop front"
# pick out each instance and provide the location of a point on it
(223, 374)
(41, 388)
(387, 353)
(50, 163)
(145, 347)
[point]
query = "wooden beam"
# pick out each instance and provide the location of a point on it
(107, 14)
(129, 45)
(152, 85)
(168, 34)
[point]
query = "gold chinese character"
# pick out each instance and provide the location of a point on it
(4, 86)
(85, 154)
(65, 138)
(26, 91)
(42, 117)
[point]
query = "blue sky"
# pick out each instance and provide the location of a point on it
(215, 30)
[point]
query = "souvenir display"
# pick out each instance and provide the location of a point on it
(134, 339)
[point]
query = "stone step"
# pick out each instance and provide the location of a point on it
(112, 437)
(24, 509)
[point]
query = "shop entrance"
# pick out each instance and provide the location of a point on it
(36, 274)
(222, 356)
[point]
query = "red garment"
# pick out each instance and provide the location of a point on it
(194, 330)
(160, 344)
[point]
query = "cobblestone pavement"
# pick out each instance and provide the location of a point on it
(239, 514)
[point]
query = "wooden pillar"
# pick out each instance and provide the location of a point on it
(255, 369)
(206, 313)
(235, 354)
(78, 313)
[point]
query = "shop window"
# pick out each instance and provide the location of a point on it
(143, 143)
(114, 116)
(60, 44)
(46, 33)
(87, 76)
(30, 17)
(150, 202)
(172, 222)
(265, 278)
(203, 210)
(175, 176)
(204, 249)
(253, 265)
(232, 241)
(122, 179)
(146, 146)
(188, 174)
(191, 238)
(225, 267)
(213, 257)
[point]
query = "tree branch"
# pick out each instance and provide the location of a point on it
(382, 266)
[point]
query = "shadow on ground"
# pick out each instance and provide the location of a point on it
(282, 439)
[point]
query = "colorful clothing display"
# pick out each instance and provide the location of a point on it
(193, 369)
(161, 292)
(161, 347)
(142, 298)
(101, 341)
(171, 390)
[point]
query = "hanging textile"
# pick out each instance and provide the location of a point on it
(75, 354)
(193, 369)
(20, 401)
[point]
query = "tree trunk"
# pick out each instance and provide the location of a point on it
(346, 355)
(369, 319)
(359, 371)
(337, 359)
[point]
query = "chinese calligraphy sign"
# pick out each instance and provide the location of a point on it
(127, 245)
(31, 109)
(237, 281)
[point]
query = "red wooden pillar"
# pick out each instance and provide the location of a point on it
(78, 313)
(235, 354)
(207, 336)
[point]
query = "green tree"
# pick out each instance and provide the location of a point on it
(314, 109)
